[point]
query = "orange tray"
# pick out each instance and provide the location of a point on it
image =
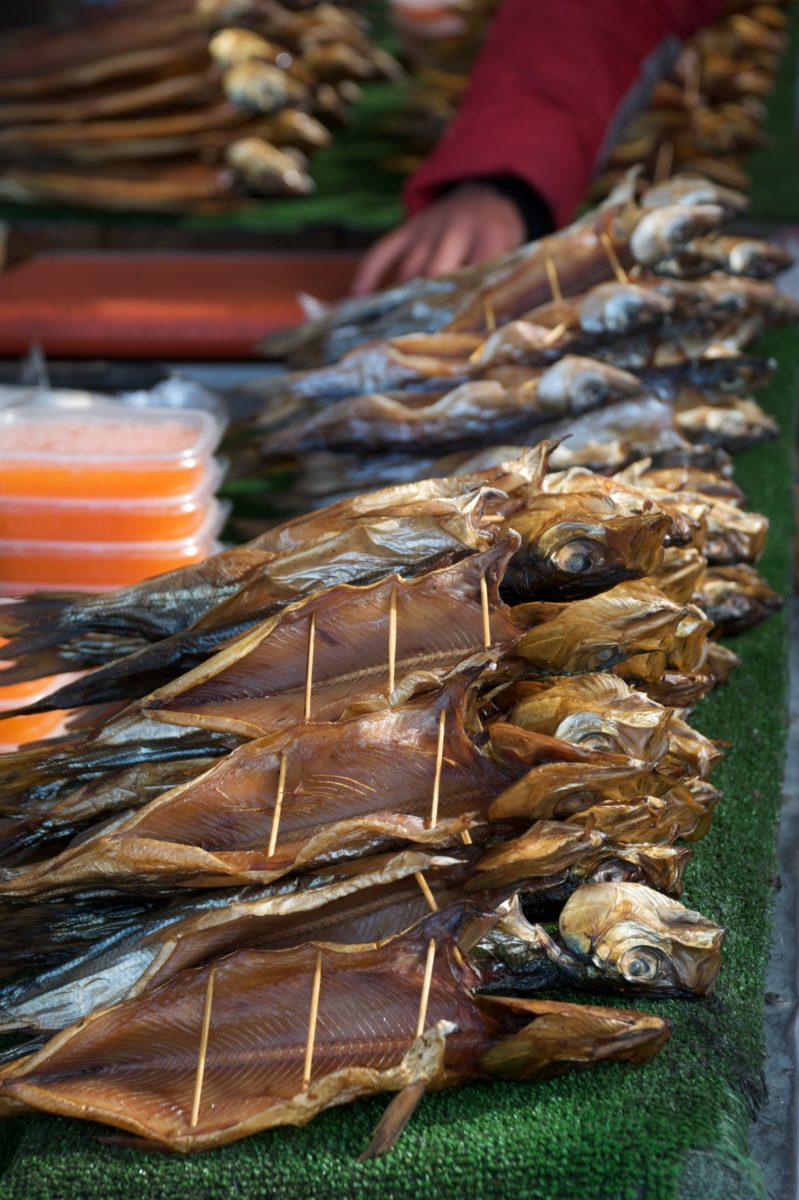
(155, 305)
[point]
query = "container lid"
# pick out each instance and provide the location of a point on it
(218, 512)
(203, 492)
(100, 434)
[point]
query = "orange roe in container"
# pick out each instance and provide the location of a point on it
(156, 519)
(18, 731)
(102, 454)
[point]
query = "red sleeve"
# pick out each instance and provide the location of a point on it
(546, 87)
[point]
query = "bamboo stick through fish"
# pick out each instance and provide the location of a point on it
(392, 640)
(428, 978)
(313, 1017)
(425, 890)
(613, 258)
(485, 612)
(439, 762)
(281, 787)
(309, 668)
(466, 838)
(432, 904)
(554, 282)
(555, 334)
(206, 1025)
(491, 317)
(664, 162)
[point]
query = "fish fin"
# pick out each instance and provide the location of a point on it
(39, 608)
(313, 309)
(394, 1120)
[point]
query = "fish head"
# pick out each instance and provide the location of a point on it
(259, 85)
(598, 712)
(643, 939)
(231, 46)
(757, 259)
(663, 231)
(268, 169)
(578, 555)
(622, 308)
(576, 384)
(692, 190)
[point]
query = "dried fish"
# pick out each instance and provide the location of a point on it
(260, 1002)
(736, 597)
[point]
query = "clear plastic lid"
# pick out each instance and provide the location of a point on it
(105, 434)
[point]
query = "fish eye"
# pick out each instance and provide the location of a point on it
(644, 964)
(603, 656)
(598, 741)
(579, 556)
(592, 390)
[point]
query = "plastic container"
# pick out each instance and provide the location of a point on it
(104, 451)
(157, 519)
(18, 731)
(96, 566)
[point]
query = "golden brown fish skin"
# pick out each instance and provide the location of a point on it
(372, 896)
(681, 951)
(736, 597)
(598, 711)
(348, 790)
(624, 623)
(432, 534)
(736, 423)
(74, 1074)
(617, 935)
(257, 685)
(575, 546)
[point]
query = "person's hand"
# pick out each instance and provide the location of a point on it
(471, 224)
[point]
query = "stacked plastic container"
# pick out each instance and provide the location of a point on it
(96, 495)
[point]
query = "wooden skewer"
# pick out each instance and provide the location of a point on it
(309, 667)
(493, 519)
(485, 612)
(432, 904)
(491, 316)
(555, 334)
(392, 640)
(428, 979)
(664, 161)
(281, 787)
(554, 282)
(466, 838)
(442, 717)
(313, 1017)
(425, 890)
(206, 1025)
(613, 258)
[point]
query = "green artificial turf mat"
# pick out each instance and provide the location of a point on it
(673, 1130)
(775, 168)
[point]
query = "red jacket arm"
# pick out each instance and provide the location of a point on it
(544, 90)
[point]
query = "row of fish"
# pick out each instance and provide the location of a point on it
(646, 363)
(315, 865)
(708, 114)
(180, 104)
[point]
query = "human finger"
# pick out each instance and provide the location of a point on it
(377, 261)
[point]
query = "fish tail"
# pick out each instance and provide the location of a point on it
(38, 609)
